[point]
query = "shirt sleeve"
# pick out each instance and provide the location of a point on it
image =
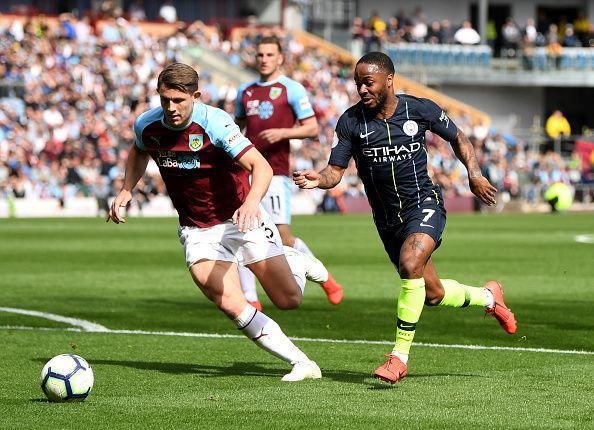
(138, 134)
(439, 122)
(239, 108)
(342, 147)
(299, 101)
(226, 135)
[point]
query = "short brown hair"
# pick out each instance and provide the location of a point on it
(179, 76)
(271, 40)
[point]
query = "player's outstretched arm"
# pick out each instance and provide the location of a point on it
(247, 216)
(479, 185)
(135, 168)
(329, 177)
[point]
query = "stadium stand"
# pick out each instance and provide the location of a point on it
(72, 90)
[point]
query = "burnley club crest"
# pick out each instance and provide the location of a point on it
(196, 141)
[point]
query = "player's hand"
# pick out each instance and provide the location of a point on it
(272, 135)
(306, 178)
(483, 189)
(247, 217)
(121, 201)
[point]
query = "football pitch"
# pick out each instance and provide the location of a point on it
(165, 358)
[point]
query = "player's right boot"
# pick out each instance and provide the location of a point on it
(315, 271)
(333, 290)
(392, 370)
(303, 370)
(502, 313)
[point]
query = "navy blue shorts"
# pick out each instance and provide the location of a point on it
(429, 218)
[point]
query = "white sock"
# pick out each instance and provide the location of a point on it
(300, 245)
(248, 283)
(401, 356)
(268, 335)
(490, 299)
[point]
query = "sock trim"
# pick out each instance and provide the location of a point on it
(406, 326)
(466, 298)
(250, 321)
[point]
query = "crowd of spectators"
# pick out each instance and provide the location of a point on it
(67, 134)
(510, 40)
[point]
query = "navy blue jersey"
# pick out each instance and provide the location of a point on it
(391, 154)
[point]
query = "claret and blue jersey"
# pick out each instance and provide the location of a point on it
(197, 162)
(391, 154)
(275, 104)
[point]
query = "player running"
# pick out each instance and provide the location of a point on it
(385, 133)
(268, 109)
(202, 155)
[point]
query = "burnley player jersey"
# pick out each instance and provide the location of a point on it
(197, 163)
(276, 104)
(391, 154)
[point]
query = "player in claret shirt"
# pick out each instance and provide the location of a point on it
(274, 109)
(204, 161)
(385, 134)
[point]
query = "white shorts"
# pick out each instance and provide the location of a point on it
(277, 201)
(225, 243)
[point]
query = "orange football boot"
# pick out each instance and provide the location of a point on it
(502, 313)
(391, 371)
(333, 290)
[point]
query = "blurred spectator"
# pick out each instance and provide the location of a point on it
(377, 27)
(357, 36)
(557, 125)
(466, 35)
(168, 12)
(511, 37)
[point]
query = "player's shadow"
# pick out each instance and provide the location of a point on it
(233, 369)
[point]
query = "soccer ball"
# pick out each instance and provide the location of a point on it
(66, 377)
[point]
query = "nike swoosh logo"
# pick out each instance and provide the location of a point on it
(156, 140)
(363, 136)
(426, 225)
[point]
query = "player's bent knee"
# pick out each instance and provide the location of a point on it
(287, 301)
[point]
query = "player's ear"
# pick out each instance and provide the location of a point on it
(196, 95)
(389, 80)
(281, 60)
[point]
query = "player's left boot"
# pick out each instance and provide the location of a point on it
(392, 370)
(303, 370)
(502, 313)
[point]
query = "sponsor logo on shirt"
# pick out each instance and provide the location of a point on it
(335, 140)
(275, 92)
(178, 160)
(234, 138)
(410, 128)
(196, 141)
(444, 117)
(265, 110)
(252, 107)
(304, 103)
(384, 154)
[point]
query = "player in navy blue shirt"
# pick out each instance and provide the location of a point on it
(385, 134)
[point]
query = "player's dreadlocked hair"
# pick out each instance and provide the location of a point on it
(379, 59)
(180, 77)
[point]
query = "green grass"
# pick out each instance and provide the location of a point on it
(133, 277)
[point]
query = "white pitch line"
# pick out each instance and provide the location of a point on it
(584, 238)
(83, 324)
(308, 339)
